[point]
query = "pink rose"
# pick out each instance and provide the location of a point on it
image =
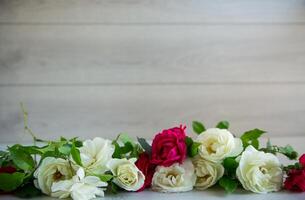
(169, 147)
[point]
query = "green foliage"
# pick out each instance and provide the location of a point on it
(105, 177)
(125, 147)
(144, 144)
(112, 188)
(296, 165)
(10, 182)
(223, 125)
(251, 138)
(228, 184)
(76, 155)
(192, 147)
(21, 158)
(230, 164)
(4, 158)
(198, 127)
(65, 149)
(287, 151)
(27, 191)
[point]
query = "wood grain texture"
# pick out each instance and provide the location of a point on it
(144, 110)
(152, 12)
(151, 55)
(96, 68)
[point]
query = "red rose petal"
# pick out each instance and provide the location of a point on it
(302, 160)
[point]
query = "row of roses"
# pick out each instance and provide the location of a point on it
(173, 163)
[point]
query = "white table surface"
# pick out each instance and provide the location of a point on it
(211, 194)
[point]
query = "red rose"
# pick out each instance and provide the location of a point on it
(147, 168)
(8, 169)
(302, 160)
(295, 180)
(169, 147)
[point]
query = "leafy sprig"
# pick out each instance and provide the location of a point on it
(287, 150)
(125, 147)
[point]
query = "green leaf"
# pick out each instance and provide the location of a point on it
(223, 125)
(76, 155)
(10, 182)
(228, 184)
(289, 152)
(194, 149)
(120, 152)
(113, 188)
(3, 153)
(27, 191)
(21, 159)
(144, 144)
(296, 165)
(4, 158)
(230, 165)
(65, 149)
(105, 177)
(76, 142)
(188, 141)
(128, 147)
(251, 138)
(117, 150)
(198, 127)
(125, 138)
(33, 150)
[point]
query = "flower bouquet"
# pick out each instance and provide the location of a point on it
(173, 162)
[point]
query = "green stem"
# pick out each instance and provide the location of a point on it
(26, 127)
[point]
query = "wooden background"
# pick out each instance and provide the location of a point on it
(98, 68)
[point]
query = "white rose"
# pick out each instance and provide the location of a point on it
(259, 172)
(126, 174)
(95, 155)
(217, 144)
(52, 170)
(80, 187)
(207, 172)
(175, 178)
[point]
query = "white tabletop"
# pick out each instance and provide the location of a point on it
(211, 194)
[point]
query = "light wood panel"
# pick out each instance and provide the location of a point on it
(151, 55)
(96, 68)
(144, 110)
(151, 12)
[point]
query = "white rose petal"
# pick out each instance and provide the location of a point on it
(207, 172)
(50, 171)
(217, 144)
(61, 189)
(80, 187)
(95, 155)
(176, 178)
(259, 172)
(126, 174)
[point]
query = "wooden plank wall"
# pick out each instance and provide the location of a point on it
(98, 68)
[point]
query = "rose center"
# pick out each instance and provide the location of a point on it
(171, 175)
(263, 170)
(210, 149)
(57, 176)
